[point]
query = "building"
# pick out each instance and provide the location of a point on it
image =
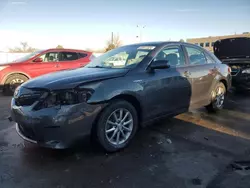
(208, 42)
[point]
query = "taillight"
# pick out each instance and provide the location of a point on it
(229, 70)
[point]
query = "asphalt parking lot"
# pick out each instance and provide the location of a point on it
(195, 149)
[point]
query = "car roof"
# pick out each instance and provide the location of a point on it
(157, 43)
(160, 43)
(65, 49)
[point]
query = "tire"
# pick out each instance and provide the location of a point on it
(108, 140)
(12, 82)
(217, 98)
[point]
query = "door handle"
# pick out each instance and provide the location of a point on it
(56, 65)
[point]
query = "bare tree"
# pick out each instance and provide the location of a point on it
(114, 42)
(24, 48)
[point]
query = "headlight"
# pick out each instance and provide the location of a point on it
(3, 67)
(246, 71)
(68, 97)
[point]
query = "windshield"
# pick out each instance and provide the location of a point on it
(123, 57)
(27, 57)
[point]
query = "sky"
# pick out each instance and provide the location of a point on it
(88, 24)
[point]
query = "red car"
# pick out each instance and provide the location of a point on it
(39, 63)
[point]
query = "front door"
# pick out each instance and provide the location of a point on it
(168, 90)
(49, 64)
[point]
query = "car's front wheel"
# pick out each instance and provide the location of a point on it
(12, 82)
(217, 98)
(117, 125)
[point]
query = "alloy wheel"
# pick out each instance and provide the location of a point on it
(220, 96)
(15, 83)
(119, 126)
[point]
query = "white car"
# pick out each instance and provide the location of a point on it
(116, 61)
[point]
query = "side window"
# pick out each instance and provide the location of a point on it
(68, 56)
(207, 44)
(82, 55)
(202, 44)
(196, 56)
(215, 59)
(174, 56)
(209, 59)
(50, 57)
(141, 54)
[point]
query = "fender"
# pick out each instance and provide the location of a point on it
(14, 72)
(103, 94)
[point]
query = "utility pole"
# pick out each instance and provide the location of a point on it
(140, 31)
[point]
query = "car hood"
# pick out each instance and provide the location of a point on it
(232, 48)
(72, 78)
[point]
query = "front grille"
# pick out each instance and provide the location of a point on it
(27, 131)
(27, 97)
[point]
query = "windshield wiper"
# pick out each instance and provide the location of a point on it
(98, 66)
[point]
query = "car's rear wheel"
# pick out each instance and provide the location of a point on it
(217, 98)
(117, 125)
(12, 82)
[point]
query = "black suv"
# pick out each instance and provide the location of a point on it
(110, 100)
(235, 52)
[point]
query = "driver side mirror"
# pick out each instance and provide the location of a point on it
(38, 60)
(159, 64)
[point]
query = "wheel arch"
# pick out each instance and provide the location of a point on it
(224, 82)
(127, 97)
(133, 101)
(12, 73)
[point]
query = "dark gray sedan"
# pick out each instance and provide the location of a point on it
(112, 100)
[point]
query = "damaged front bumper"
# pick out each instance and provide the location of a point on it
(22, 135)
(55, 127)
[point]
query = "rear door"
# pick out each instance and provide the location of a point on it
(202, 70)
(68, 60)
(71, 60)
(49, 64)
